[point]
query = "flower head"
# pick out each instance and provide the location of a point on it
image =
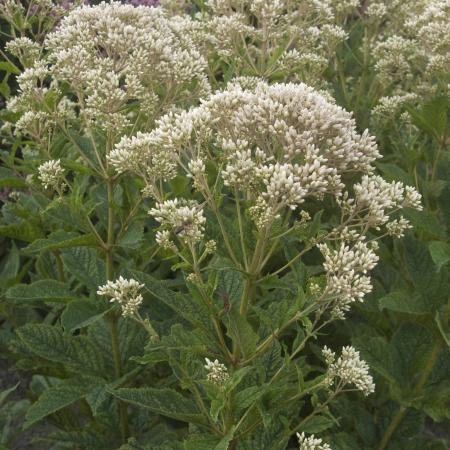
(217, 372)
(51, 174)
(125, 293)
(311, 443)
(349, 368)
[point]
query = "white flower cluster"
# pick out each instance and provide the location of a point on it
(376, 198)
(280, 143)
(412, 52)
(139, 153)
(184, 218)
(249, 34)
(346, 269)
(51, 174)
(311, 443)
(348, 369)
(112, 55)
(125, 293)
(24, 49)
(217, 372)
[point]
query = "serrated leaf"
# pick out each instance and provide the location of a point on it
(23, 231)
(85, 264)
(191, 310)
(84, 146)
(81, 313)
(41, 290)
(440, 253)
(59, 396)
(316, 424)
(50, 343)
(200, 441)
(133, 236)
(425, 221)
(230, 285)
(225, 441)
(241, 332)
(410, 347)
(393, 172)
(166, 402)
(432, 117)
(60, 239)
(375, 351)
(405, 302)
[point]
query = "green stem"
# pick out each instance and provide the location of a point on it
(113, 318)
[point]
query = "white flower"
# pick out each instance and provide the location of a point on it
(346, 270)
(398, 227)
(348, 369)
(185, 218)
(311, 443)
(51, 174)
(217, 372)
(124, 292)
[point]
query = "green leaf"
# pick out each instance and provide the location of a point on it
(86, 265)
(84, 146)
(81, 313)
(187, 307)
(60, 239)
(375, 351)
(4, 394)
(425, 221)
(316, 424)
(49, 342)
(9, 67)
(410, 349)
(393, 172)
(9, 179)
(133, 236)
(440, 253)
(229, 285)
(405, 302)
(201, 441)
(429, 283)
(241, 332)
(23, 231)
(59, 396)
(432, 117)
(225, 441)
(166, 402)
(41, 290)
(248, 396)
(11, 265)
(441, 321)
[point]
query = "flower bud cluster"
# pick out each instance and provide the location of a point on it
(184, 218)
(124, 292)
(51, 174)
(109, 56)
(349, 368)
(248, 34)
(217, 372)
(311, 443)
(346, 270)
(411, 56)
(376, 198)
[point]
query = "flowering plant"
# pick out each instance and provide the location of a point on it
(194, 226)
